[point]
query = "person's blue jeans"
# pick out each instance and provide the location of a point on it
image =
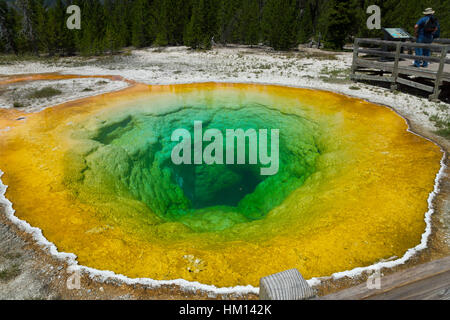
(423, 51)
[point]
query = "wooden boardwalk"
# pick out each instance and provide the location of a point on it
(395, 67)
(429, 281)
(432, 68)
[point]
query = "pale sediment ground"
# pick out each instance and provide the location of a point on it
(27, 97)
(27, 272)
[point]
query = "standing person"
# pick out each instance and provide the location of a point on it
(425, 29)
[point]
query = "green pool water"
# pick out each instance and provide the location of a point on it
(133, 157)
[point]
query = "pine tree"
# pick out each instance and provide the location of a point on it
(175, 16)
(53, 32)
(229, 29)
(91, 39)
(316, 7)
(29, 26)
(306, 24)
(341, 20)
(59, 37)
(7, 24)
(33, 24)
(210, 27)
(194, 36)
(164, 22)
(250, 25)
(39, 15)
(151, 18)
(116, 28)
(443, 14)
(124, 14)
(280, 23)
(137, 31)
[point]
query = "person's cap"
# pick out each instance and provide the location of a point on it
(428, 11)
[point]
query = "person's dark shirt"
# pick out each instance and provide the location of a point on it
(421, 23)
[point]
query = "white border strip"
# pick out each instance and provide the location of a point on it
(104, 276)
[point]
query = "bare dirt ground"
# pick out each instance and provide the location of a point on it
(28, 271)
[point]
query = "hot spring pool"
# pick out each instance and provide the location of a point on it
(96, 175)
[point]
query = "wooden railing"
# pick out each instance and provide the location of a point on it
(442, 41)
(395, 66)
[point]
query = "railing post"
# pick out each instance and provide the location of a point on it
(438, 81)
(355, 56)
(395, 71)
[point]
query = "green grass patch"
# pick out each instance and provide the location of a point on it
(335, 72)
(444, 132)
(9, 273)
(46, 92)
(335, 75)
(443, 126)
(18, 105)
(7, 59)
